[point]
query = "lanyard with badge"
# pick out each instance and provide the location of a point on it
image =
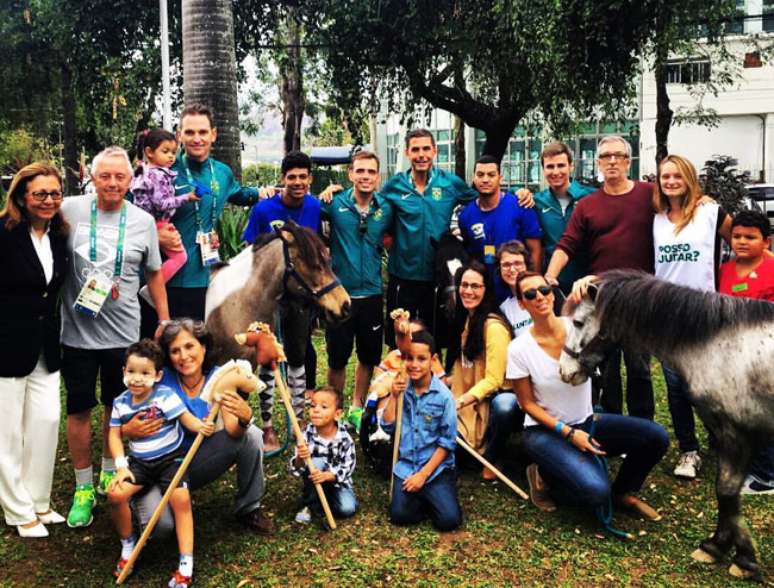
(98, 286)
(206, 239)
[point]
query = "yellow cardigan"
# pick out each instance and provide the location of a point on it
(482, 378)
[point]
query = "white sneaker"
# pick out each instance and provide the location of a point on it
(753, 487)
(36, 532)
(688, 465)
(51, 518)
(304, 516)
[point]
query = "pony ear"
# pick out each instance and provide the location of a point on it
(593, 291)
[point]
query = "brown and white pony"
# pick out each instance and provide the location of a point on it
(248, 288)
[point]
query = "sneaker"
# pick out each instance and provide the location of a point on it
(688, 465)
(84, 500)
(538, 491)
(258, 522)
(355, 417)
(178, 580)
(304, 516)
(104, 482)
(120, 568)
(756, 488)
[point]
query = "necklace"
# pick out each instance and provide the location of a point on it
(190, 389)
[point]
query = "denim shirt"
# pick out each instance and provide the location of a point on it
(429, 422)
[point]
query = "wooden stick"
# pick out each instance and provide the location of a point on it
(167, 495)
(396, 439)
(300, 439)
(502, 477)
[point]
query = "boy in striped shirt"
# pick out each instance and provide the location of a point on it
(153, 459)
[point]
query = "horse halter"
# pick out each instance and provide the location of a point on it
(290, 272)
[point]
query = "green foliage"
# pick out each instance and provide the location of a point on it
(260, 174)
(323, 176)
(19, 147)
(721, 179)
(230, 228)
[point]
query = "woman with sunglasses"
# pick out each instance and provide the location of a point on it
(184, 343)
(486, 415)
(562, 436)
(33, 263)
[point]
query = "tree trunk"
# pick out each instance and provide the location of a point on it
(460, 163)
(498, 135)
(292, 89)
(663, 112)
(71, 163)
(209, 72)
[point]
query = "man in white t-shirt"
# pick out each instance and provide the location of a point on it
(100, 310)
(512, 259)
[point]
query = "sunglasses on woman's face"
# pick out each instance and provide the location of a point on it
(532, 293)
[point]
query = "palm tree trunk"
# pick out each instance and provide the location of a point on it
(209, 71)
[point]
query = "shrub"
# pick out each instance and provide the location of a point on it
(724, 182)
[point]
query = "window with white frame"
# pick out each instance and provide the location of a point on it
(393, 150)
(688, 71)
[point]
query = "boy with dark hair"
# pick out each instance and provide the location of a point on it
(154, 459)
(332, 450)
(751, 275)
(293, 202)
(425, 478)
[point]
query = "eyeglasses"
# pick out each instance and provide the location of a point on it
(512, 265)
(532, 293)
(41, 195)
(609, 156)
(469, 286)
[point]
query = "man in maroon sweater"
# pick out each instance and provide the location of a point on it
(615, 226)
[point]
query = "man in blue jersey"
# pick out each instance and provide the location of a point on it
(494, 218)
(423, 199)
(293, 202)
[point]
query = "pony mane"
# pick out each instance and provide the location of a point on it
(310, 246)
(636, 307)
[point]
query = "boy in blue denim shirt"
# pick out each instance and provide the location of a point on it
(425, 479)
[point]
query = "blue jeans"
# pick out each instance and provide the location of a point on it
(681, 408)
(436, 499)
(341, 499)
(762, 468)
(505, 417)
(578, 478)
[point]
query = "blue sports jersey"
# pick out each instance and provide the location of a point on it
(483, 232)
(269, 215)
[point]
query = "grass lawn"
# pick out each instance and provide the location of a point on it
(504, 540)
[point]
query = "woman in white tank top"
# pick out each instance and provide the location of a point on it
(686, 235)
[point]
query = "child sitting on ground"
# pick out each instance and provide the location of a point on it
(154, 459)
(424, 483)
(751, 275)
(333, 453)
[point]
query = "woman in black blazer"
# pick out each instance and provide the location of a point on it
(33, 264)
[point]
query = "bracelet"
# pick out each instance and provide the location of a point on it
(121, 462)
(570, 434)
(245, 424)
(558, 427)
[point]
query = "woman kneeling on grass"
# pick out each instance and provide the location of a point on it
(561, 433)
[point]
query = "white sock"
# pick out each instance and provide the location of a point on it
(108, 464)
(127, 546)
(84, 476)
(186, 565)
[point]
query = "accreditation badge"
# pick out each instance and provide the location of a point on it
(210, 255)
(93, 294)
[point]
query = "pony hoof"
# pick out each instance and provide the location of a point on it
(702, 556)
(738, 572)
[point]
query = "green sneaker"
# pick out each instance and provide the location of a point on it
(84, 500)
(104, 481)
(355, 416)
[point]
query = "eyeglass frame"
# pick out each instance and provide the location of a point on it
(42, 195)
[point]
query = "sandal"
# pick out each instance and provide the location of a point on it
(637, 507)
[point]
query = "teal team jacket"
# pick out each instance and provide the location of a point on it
(420, 219)
(356, 253)
(193, 274)
(553, 223)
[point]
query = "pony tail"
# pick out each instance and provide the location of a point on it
(140, 151)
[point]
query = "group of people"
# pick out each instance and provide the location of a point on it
(134, 260)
